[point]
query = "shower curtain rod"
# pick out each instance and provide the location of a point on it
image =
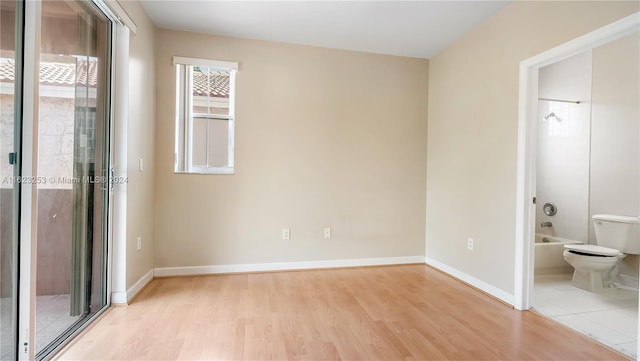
(560, 100)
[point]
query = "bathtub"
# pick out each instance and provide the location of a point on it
(548, 255)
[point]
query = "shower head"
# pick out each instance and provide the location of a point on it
(552, 115)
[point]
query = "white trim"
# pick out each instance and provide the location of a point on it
(232, 122)
(28, 193)
(616, 30)
(188, 109)
(284, 266)
(120, 123)
(119, 12)
(118, 298)
(528, 100)
(110, 197)
(209, 170)
(466, 278)
(123, 298)
(180, 161)
(138, 286)
(203, 101)
(218, 64)
(525, 191)
(211, 116)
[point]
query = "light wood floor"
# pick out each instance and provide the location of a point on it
(386, 313)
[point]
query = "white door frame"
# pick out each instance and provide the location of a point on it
(527, 143)
(28, 192)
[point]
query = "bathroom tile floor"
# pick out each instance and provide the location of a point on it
(610, 317)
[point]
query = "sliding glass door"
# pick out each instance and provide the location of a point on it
(73, 158)
(54, 128)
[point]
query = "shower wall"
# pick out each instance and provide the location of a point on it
(615, 155)
(615, 138)
(563, 147)
(588, 159)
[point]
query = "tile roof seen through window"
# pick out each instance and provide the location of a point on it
(57, 74)
(64, 74)
(218, 83)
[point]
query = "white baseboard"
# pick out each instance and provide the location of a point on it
(123, 298)
(138, 286)
(283, 266)
(492, 290)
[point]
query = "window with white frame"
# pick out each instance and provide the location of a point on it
(205, 115)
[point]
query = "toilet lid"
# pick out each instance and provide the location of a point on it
(592, 249)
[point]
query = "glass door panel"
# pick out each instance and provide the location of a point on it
(10, 106)
(72, 158)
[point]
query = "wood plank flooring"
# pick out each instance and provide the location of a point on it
(408, 312)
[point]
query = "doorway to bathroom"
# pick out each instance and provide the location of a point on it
(587, 130)
(579, 155)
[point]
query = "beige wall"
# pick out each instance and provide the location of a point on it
(324, 138)
(473, 112)
(141, 144)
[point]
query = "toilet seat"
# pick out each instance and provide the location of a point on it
(592, 250)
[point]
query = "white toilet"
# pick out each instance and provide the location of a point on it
(597, 266)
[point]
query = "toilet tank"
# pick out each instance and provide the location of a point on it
(618, 232)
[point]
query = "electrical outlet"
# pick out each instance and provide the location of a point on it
(327, 232)
(470, 244)
(286, 233)
(139, 243)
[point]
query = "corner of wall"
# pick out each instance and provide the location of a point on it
(140, 148)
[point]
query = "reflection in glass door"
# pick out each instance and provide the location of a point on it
(11, 16)
(73, 131)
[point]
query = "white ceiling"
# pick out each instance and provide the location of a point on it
(407, 28)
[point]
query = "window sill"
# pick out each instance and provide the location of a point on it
(209, 171)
